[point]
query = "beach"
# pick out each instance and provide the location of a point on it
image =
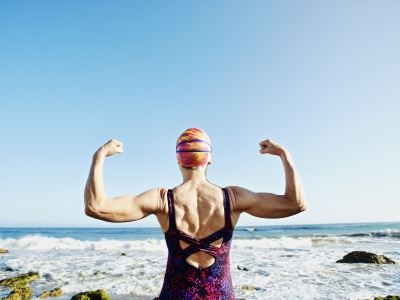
(267, 262)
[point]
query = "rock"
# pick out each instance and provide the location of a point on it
(20, 281)
(25, 293)
(56, 292)
(123, 254)
(242, 269)
(388, 298)
(3, 250)
(12, 297)
(365, 257)
(92, 295)
(45, 294)
(99, 273)
(248, 287)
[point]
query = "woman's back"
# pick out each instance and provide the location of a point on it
(199, 212)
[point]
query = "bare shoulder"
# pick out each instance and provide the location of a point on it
(240, 198)
(155, 200)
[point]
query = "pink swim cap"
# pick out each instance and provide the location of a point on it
(193, 148)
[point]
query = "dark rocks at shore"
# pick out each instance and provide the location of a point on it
(99, 273)
(20, 294)
(92, 295)
(20, 281)
(7, 269)
(56, 292)
(12, 297)
(3, 251)
(365, 257)
(45, 294)
(388, 298)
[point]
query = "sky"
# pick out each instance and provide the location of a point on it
(321, 78)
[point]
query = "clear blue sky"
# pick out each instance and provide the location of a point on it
(320, 77)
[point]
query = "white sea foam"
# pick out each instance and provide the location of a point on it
(38, 242)
(279, 267)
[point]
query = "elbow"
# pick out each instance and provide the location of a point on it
(90, 211)
(298, 205)
(301, 205)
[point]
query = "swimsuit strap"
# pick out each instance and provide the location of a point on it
(171, 210)
(227, 211)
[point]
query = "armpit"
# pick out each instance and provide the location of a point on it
(162, 217)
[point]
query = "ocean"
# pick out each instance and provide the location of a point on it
(283, 262)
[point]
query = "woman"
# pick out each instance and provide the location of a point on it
(197, 217)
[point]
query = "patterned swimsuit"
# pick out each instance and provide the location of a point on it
(185, 282)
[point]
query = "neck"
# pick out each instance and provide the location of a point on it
(196, 176)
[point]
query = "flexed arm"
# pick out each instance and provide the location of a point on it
(268, 205)
(120, 209)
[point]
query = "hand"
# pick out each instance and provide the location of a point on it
(110, 148)
(271, 147)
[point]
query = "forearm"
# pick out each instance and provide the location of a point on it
(95, 194)
(294, 189)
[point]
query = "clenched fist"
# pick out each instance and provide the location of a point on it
(110, 148)
(271, 147)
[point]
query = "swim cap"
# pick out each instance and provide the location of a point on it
(193, 148)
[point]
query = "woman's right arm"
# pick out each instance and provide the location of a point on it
(268, 205)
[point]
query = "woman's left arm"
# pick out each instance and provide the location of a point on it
(119, 209)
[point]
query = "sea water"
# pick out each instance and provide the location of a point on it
(283, 262)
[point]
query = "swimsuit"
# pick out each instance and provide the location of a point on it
(183, 281)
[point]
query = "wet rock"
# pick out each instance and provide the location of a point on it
(56, 292)
(388, 298)
(248, 287)
(242, 269)
(123, 254)
(365, 257)
(20, 281)
(45, 294)
(92, 295)
(12, 297)
(25, 293)
(99, 273)
(3, 250)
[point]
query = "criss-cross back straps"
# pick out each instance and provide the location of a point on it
(196, 245)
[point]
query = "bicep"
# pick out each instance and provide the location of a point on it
(131, 208)
(262, 205)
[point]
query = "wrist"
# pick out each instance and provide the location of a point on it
(284, 154)
(99, 156)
